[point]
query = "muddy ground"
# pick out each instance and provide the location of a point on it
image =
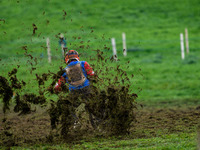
(35, 127)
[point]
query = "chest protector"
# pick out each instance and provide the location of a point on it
(75, 75)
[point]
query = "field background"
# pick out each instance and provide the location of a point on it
(161, 78)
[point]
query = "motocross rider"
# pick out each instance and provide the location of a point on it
(78, 75)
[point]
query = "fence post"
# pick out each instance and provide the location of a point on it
(182, 46)
(62, 49)
(124, 44)
(114, 49)
(186, 40)
(62, 44)
(48, 50)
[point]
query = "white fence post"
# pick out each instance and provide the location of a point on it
(124, 44)
(62, 49)
(186, 40)
(114, 49)
(62, 45)
(182, 46)
(48, 50)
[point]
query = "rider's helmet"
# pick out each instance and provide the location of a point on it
(71, 55)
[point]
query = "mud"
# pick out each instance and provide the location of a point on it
(110, 110)
(6, 92)
(34, 28)
(109, 103)
(24, 129)
(35, 128)
(156, 122)
(107, 108)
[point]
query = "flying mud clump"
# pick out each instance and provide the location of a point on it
(108, 107)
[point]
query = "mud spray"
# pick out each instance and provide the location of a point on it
(105, 108)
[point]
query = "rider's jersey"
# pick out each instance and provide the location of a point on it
(76, 75)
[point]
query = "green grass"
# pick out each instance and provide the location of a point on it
(152, 30)
(165, 142)
(152, 27)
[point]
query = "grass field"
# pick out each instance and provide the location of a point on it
(161, 78)
(181, 141)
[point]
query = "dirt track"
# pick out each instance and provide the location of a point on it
(157, 122)
(35, 127)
